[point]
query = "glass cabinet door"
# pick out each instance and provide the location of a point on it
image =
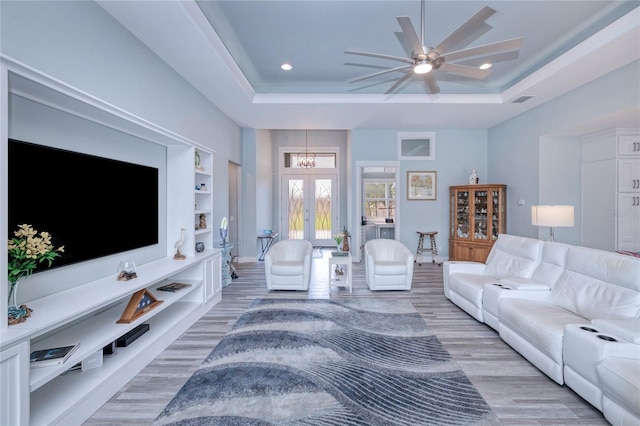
(462, 214)
(480, 215)
(495, 214)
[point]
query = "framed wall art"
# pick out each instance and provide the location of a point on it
(421, 186)
(416, 146)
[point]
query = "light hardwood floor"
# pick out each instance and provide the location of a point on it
(518, 393)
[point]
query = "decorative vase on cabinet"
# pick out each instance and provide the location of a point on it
(477, 215)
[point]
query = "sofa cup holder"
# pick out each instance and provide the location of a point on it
(607, 338)
(592, 330)
(501, 286)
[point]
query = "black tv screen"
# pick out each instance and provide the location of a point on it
(94, 206)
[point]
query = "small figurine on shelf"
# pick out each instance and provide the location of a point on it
(198, 166)
(345, 240)
(126, 270)
(203, 221)
(178, 244)
(224, 230)
(473, 178)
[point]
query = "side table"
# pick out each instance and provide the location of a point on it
(344, 279)
(266, 241)
(227, 267)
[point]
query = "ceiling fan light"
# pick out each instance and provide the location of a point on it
(422, 67)
(485, 66)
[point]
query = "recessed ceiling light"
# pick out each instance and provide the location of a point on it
(286, 66)
(485, 66)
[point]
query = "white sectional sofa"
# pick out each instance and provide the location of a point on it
(573, 312)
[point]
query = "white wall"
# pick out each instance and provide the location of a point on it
(517, 157)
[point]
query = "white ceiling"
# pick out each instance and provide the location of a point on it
(231, 52)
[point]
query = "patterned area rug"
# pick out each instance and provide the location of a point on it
(328, 362)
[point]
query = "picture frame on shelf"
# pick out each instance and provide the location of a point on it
(416, 146)
(421, 185)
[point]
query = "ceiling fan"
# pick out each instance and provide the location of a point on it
(423, 61)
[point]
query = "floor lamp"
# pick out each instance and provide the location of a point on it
(552, 216)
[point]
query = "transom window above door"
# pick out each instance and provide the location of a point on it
(322, 160)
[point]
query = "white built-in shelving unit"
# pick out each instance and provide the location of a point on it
(87, 313)
(611, 189)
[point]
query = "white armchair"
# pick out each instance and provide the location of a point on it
(388, 265)
(287, 265)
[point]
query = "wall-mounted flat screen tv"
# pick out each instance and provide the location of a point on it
(94, 206)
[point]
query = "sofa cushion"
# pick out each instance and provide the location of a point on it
(620, 380)
(470, 286)
(599, 284)
(513, 256)
(540, 323)
(552, 263)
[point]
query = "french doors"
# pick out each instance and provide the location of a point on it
(309, 209)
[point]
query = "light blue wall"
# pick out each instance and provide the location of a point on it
(457, 152)
(517, 156)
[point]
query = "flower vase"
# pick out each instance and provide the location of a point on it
(339, 248)
(16, 313)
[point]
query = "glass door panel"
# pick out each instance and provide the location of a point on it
(462, 215)
(495, 214)
(323, 212)
(481, 205)
(296, 209)
(310, 209)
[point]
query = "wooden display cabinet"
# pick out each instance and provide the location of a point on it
(478, 213)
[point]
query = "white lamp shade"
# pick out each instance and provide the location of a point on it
(552, 216)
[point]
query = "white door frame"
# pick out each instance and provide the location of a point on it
(319, 173)
(357, 255)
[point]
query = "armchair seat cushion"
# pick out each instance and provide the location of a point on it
(383, 267)
(287, 267)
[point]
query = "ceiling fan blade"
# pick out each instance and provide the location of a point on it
(430, 82)
(467, 32)
(399, 82)
(410, 34)
(464, 71)
(486, 49)
(491, 59)
(376, 55)
(380, 73)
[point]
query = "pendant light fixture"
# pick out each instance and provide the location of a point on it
(307, 161)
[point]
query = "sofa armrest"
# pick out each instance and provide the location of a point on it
(627, 329)
(524, 284)
(454, 266)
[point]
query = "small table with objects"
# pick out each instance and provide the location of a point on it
(266, 241)
(337, 274)
(228, 270)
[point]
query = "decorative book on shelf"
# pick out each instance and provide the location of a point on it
(173, 287)
(52, 356)
(140, 303)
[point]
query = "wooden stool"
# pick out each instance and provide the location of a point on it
(421, 249)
